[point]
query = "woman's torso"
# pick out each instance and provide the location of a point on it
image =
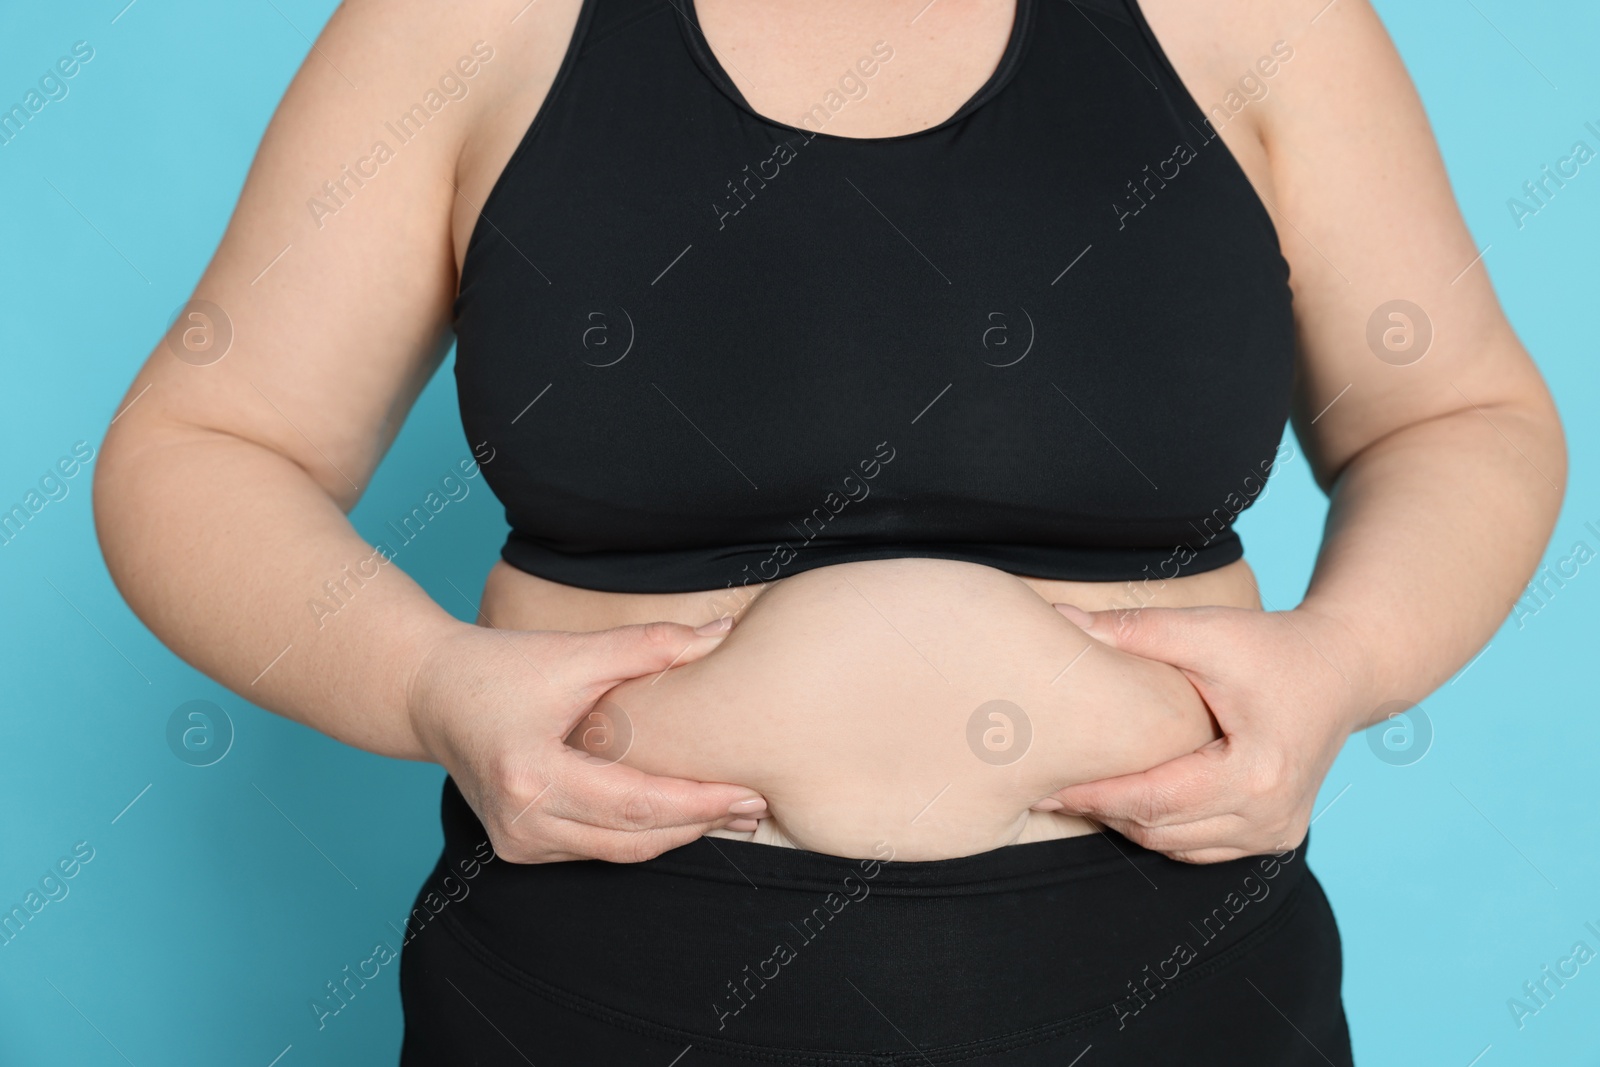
(921, 703)
(849, 690)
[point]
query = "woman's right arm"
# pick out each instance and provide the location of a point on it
(222, 487)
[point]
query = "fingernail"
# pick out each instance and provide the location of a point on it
(1076, 616)
(715, 626)
(744, 826)
(748, 806)
(1049, 804)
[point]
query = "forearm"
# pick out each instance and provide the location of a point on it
(1431, 535)
(221, 546)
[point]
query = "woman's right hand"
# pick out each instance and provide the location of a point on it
(494, 707)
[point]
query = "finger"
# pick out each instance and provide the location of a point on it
(1209, 855)
(619, 846)
(1194, 786)
(617, 797)
(719, 625)
(646, 648)
(1154, 633)
(1220, 832)
(1210, 840)
(1223, 849)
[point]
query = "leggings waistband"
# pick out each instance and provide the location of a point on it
(730, 940)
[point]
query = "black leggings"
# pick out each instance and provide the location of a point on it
(721, 953)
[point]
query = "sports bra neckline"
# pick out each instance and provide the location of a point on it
(1010, 60)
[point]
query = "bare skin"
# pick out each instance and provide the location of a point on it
(847, 695)
(1445, 478)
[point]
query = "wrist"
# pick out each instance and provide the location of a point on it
(426, 657)
(1343, 645)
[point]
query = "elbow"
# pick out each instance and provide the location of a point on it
(127, 491)
(1538, 434)
(1556, 445)
(111, 496)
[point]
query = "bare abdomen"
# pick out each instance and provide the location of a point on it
(922, 703)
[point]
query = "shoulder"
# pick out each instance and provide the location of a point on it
(448, 88)
(1260, 60)
(467, 57)
(334, 277)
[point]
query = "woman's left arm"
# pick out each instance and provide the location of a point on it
(1424, 420)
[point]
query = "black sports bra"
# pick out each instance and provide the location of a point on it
(1051, 334)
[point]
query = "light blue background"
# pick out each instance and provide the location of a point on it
(206, 921)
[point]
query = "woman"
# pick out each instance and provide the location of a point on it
(770, 746)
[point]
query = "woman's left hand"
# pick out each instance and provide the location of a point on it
(1286, 688)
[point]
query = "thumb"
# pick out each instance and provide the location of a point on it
(1152, 633)
(1179, 790)
(625, 652)
(624, 798)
